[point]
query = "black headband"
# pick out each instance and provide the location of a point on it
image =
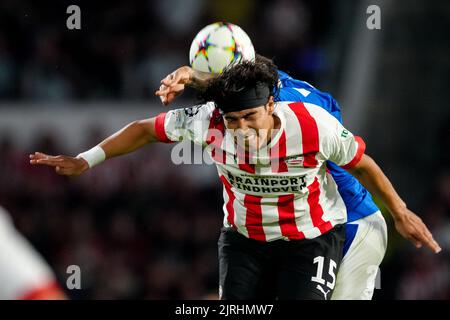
(246, 98)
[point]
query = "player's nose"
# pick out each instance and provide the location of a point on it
(242, 125)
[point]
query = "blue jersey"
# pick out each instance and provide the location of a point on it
(357, 199)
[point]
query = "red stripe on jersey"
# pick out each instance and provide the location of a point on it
(310, 134)
(229, 205)
(49, 291)
(247, 167)
(159, 128)
(243, 159)
(215, 136)
(278, 155)
(286, 213)
(253, 218)
(315, 208)
(358, 155)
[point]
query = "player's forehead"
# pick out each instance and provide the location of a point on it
(243, 113)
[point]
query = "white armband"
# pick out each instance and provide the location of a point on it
(93, 156)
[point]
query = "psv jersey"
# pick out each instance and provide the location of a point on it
(282, 191)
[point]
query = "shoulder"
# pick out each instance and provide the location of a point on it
(309, 114)
(203, 111)
(305, 108)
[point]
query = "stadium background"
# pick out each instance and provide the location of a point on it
(141, 227)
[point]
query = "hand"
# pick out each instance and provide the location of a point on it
(64, 165)
(173, 85)
(410, 226)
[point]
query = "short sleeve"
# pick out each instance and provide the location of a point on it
(344, 148)
(186, 123)
(337, 144)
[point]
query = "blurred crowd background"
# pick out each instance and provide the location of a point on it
(142, 227)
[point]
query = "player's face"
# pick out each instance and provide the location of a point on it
(251, 127)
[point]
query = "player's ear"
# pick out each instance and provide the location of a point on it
(270, 105)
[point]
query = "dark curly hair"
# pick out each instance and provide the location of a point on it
(241, 76)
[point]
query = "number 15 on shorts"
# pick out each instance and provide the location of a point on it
(318, 278)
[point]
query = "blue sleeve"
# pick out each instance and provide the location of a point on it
(290, 94)
(291, 89)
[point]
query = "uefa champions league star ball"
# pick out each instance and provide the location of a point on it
(218, 45)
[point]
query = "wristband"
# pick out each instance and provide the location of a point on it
(93, 156)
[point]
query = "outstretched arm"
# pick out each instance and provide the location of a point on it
(407, 223)
(130, 138)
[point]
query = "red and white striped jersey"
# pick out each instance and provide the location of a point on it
(283, 191)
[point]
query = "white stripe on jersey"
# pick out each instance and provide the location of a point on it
(270, 218)
(304, 221)
(335, 212)
(293, 134)
(240, 213)
(226, 199)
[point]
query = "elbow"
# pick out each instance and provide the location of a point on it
(362, 167)
(356, 172)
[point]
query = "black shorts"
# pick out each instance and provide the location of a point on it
(298, 269)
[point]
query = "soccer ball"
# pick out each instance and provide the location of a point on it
(218, 45)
